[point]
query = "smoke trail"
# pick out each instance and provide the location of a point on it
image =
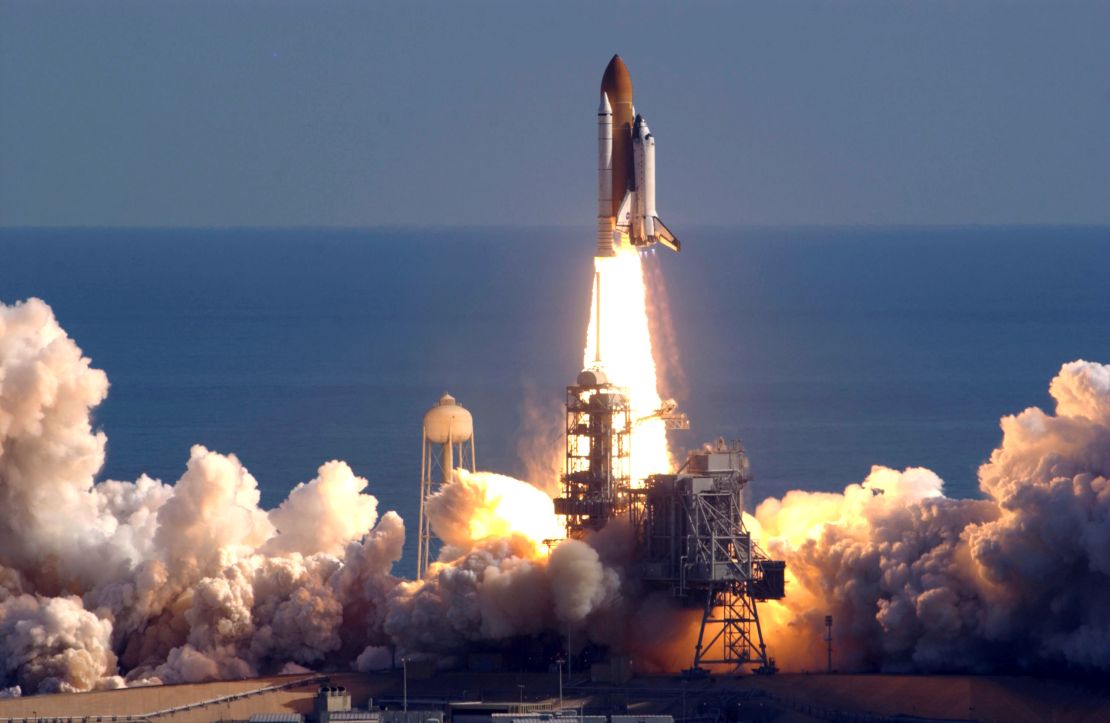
(672, 375)
(541, 446)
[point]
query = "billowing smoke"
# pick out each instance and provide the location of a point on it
(115, 583)
(122, 582)
(1019, 579)
(495, 579)
(112, 583)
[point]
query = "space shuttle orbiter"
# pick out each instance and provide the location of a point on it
(625, 170)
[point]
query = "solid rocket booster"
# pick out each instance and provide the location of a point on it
(625, 170)
(605, 178)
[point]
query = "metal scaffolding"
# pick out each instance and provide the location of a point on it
(597, 480)
(695, 544)
(689, 525)
(727, 626)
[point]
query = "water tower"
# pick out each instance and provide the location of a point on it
(448, 445)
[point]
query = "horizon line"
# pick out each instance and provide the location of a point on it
(494, 226)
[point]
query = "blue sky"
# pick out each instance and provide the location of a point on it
(379, 113)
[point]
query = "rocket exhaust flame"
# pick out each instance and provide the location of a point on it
(623, 349)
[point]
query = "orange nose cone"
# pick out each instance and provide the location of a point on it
(616, 82)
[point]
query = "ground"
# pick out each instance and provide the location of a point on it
(764, 698)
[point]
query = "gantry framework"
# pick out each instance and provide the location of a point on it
(689, 525)
(695, 544)
(597, 479)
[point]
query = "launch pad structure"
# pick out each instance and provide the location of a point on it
(598, 478)
(689, 525)
(694, 543)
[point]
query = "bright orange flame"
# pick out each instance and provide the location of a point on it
(511, 507)
(626, 355)
(476, 507)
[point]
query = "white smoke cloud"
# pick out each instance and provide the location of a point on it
(195, 581)
(916, 581)
(580, 582)
(495, 578)
(173, 583)
(498, 591)
(323, 515)
(373, 658)
(48, 450)
(54, 644)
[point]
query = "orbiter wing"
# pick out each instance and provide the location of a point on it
(664, 236)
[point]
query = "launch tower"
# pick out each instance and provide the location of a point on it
(689, 525)
(597, 480)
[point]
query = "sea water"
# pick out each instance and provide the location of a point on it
(824, 351)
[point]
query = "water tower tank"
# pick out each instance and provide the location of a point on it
(448, 420)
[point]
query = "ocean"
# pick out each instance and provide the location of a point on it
(824, 351)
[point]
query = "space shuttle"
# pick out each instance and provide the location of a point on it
(626, 214)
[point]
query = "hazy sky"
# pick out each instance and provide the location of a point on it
(371, 113)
